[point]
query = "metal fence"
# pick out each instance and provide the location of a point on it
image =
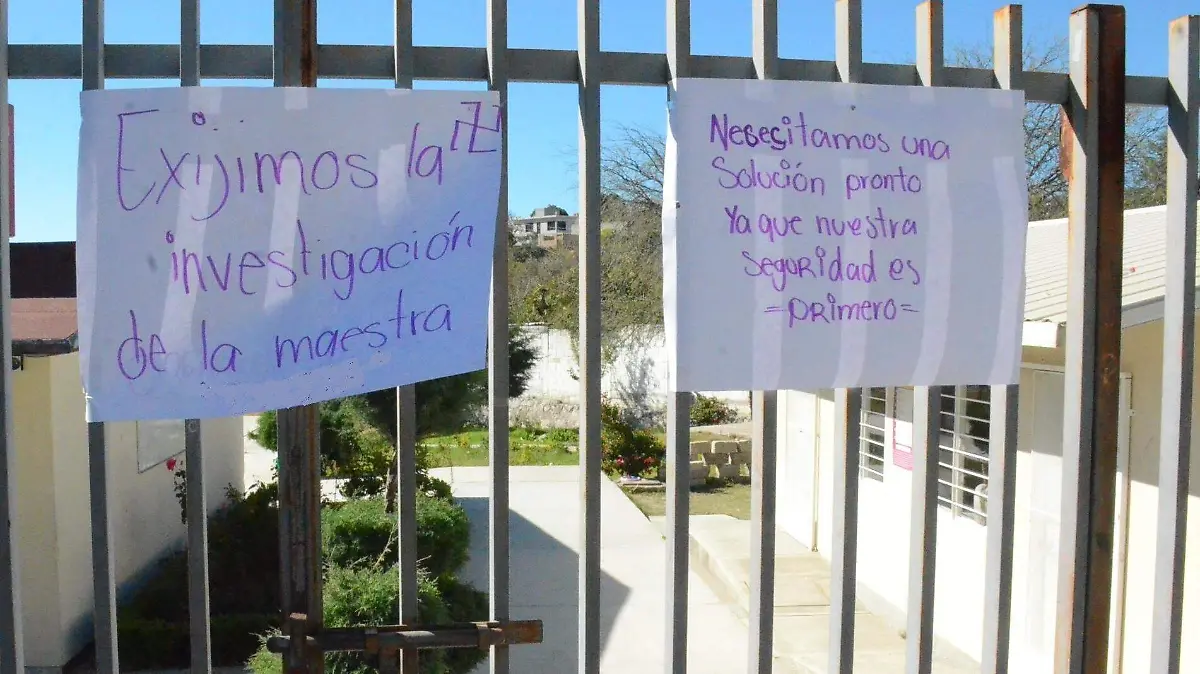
(1093, 94)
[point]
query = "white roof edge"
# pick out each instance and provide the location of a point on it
(1129, 211)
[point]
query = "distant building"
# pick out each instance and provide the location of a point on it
(551, 227)
(548, 227)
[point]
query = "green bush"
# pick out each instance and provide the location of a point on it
(360, 533)
(565, 436)
(628, 450)
(244, 568)
(710, 411)
(243, 557)
(351, 445)
(148, 643)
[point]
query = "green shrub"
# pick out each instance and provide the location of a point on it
(146, 643)
(627, 450)
(710, 411)
(243, 549)
(244, 568)
(359, 533)
(565, 436)
(351, 445)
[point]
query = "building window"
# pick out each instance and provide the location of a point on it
(873, 433)
(963, 451)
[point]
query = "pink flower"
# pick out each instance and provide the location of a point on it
(171, 465)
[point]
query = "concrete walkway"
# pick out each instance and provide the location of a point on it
(545, 541)
(720, 553)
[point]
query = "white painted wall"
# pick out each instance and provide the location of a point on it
(54, 521)
(637, 375)
(884, 511)
(884, 525)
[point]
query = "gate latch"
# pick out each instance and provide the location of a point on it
(388, 641)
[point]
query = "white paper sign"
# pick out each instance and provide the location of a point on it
(245, 249)
(831, 235)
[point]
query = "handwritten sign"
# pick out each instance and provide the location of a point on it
(832, 235)
(244, 249)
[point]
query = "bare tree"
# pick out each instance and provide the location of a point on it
(1145, 139)
(632, 168)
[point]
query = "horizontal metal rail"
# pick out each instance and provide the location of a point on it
(483, 635)
(377, 62)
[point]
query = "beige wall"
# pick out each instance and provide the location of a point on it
(36, 518)
(54, 507)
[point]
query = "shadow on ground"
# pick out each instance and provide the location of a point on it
(544, 583)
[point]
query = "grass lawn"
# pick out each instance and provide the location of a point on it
(731, 499)
(527, 447)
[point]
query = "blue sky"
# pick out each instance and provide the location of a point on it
(542, 117)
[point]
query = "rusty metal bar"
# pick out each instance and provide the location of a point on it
(299, 427)
(1002, 462)
(843, 586)
(498, 370)
(481, 635)
(1093, 135)
(1179, 334)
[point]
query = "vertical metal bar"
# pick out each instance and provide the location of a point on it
(1093, 139)
(765, 14)
(197, 549)
(12, 656)
(103, 566)
(197, 505)
(498, 391)
(922, 545)
(299, 427)
(1179, 332)
(762, 532)
(678, 464)
(589, 332)
(679, 484)
(406, 402)
(922, 550)
(849, 40)
(1002, 463)
(842, 584)
(848, 422)
(406, 509)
